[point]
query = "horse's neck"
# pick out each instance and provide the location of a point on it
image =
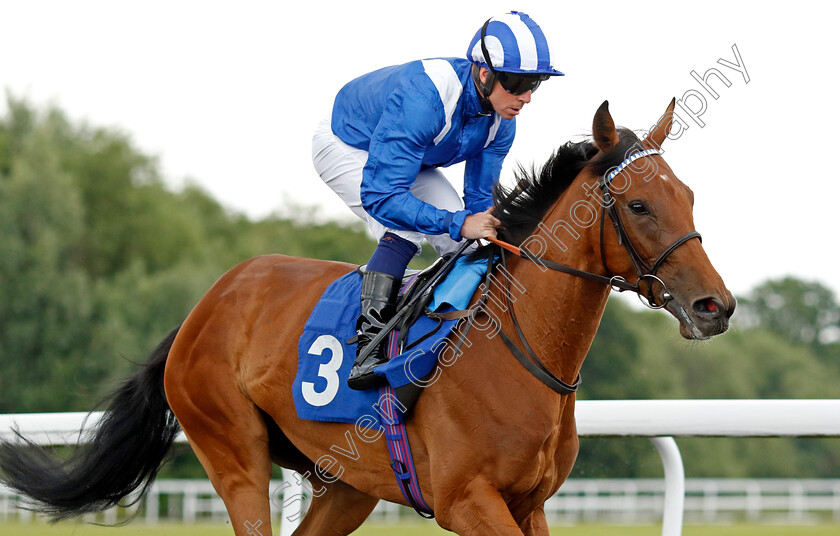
(558, 313)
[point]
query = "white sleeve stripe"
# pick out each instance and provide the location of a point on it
(449, 87)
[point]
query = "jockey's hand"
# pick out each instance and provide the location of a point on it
(480, 225)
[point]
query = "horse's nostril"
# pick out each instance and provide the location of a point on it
(708, 308)
(731, 307)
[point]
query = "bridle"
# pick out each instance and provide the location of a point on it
(644, 271)
(615, 282)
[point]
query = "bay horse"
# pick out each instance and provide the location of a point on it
(491, 442)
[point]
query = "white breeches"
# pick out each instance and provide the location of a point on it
(340, 167)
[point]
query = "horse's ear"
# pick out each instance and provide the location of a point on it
(603, 128)
(662, 127)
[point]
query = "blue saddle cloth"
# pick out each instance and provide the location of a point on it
(324, 358)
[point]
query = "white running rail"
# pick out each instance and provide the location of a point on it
(660, 420)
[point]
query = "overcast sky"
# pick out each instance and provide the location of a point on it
(227, 95)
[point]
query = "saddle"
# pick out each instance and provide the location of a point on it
(413, 339)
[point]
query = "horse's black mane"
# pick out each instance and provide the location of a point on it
(521, 207)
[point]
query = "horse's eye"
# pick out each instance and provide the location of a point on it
(639, 208)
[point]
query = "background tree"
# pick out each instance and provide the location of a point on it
(800, 311)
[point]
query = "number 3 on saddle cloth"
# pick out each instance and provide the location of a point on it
(325, 359)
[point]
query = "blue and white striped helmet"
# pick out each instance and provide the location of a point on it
(515, 43)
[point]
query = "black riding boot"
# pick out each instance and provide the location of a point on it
(379, 296)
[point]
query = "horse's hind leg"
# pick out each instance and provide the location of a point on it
(229, 436)
(535, 524)
(337, 509)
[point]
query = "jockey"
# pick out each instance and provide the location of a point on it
(391, 130)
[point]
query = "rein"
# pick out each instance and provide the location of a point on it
(645, 272)
(531, 362)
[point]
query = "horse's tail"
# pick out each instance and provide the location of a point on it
(125, 451)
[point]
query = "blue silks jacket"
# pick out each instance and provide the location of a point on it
(414, 116)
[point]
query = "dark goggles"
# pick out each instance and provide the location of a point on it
(517, 84)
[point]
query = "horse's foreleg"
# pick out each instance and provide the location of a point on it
(475, 509)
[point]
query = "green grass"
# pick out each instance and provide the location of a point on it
(218, 529)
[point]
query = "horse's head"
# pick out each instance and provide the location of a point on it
(651, 237)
